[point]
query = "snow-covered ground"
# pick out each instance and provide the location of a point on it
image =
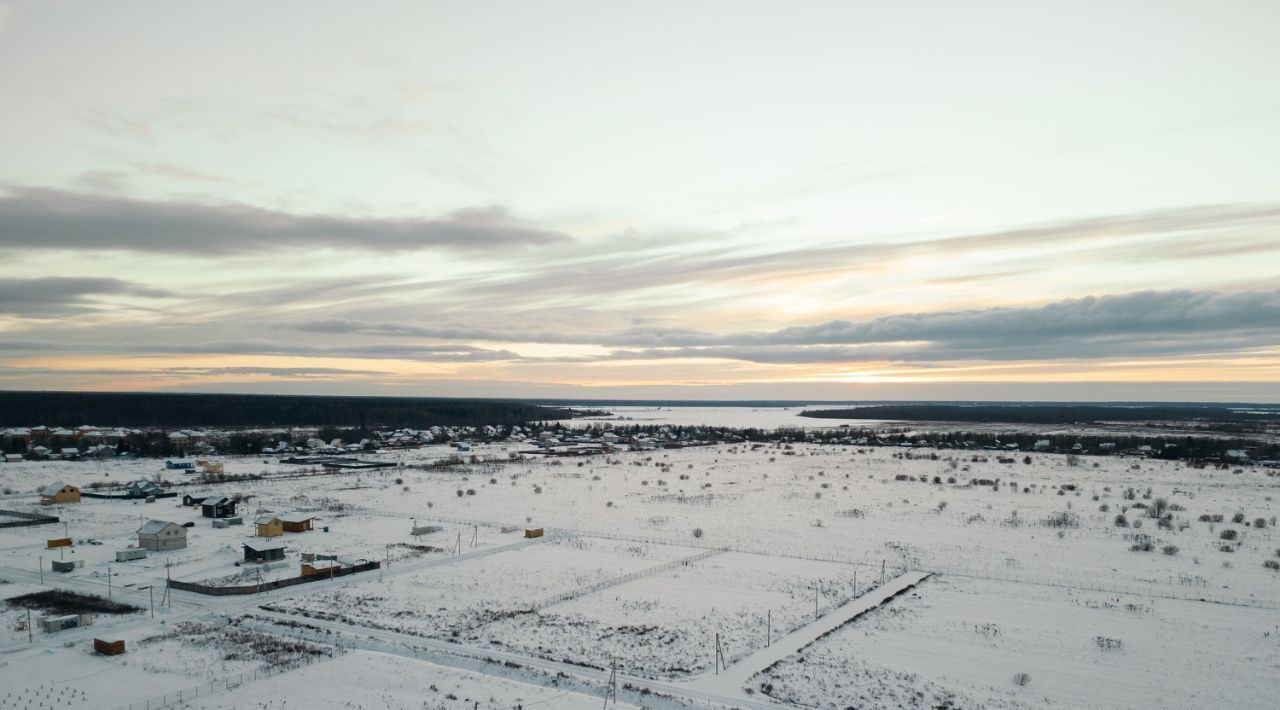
(793, 517)
(1079, 650)
(366, 679)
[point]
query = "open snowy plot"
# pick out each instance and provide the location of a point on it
(665, 624)
(965, 642)
(368, 679)
(186, 657)
(457, 600)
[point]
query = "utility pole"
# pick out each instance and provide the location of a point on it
(815, 602)
(611, 691)
(108, 581)
(40, 569)
(768, 629)
(30, 638)
(882, 573)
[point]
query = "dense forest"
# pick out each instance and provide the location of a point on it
(121, 409)
(1050, 413)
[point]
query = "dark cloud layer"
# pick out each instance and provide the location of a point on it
(55, 219)
(1147, 323)
(58, 296)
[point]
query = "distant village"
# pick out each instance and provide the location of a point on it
(334, 446)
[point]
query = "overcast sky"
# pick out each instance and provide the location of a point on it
(819, 200)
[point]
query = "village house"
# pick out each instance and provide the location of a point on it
(263, 551)
(297, 522)
(161, 535)
(59, 493)
(218, 507)
(268, 525)
(142, 489)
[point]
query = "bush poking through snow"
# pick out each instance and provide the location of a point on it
(1021, 679)
(1106, 643)
(697, 532)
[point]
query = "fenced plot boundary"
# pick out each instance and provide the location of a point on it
(25, 519)
(623, 579)
(269, 586)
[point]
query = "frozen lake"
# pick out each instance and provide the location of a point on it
(760, 417)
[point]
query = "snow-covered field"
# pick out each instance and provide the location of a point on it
(460, 600)
(965, 640)
(1036, 556)
(666, 624)
(366, 679)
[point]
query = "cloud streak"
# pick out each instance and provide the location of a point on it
(34, 218)
(59, 295)
(1147, 323)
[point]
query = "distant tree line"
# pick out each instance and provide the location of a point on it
(120, 409)
(1049, 414)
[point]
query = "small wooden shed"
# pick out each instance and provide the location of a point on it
(59, 493)
(533, 532)
(317, 567)
(108, 648)
(268, 525)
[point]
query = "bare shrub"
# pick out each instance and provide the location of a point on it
(1170, 550)
(1021, 679)
(1106, 643)
(697, 532)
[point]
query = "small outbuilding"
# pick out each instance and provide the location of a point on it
(218, 507)
(268, 525)
(52, 624)
(108, 647)
(59, 493)
(263, 551)
(297, 522)
(317, 567)
(162, 535)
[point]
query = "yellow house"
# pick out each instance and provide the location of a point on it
(59, 493)
(269, 526)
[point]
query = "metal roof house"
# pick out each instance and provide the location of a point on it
(218, 507)
(263, 551)
(161, 535)
(142, 489)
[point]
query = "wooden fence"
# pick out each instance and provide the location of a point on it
(24, 519)
(268, 586)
